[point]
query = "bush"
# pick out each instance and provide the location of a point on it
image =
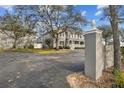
(31, 46)
(66, 47)
(60, 47)
(119, 78)
(122, 50)
(79, 47)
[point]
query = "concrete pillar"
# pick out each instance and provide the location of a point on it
(94, 54)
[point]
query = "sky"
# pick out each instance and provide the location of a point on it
(90, 12)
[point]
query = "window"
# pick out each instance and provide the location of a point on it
(70, 35)
(80, 36)
(73, 35)
(63, 34)
(76, 42)
(76, 36)
(61, 42)
(81, 43)
(70, 42)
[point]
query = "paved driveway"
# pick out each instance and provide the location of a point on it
(40, 71)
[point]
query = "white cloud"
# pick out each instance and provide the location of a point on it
(101, 6)
(7, 7)
(98, 13)
(100, 9)
(83, 13)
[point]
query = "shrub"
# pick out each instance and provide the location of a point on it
(119, 78)
(122, 50)
(66, 47)
(48, 43)
(60, 47)
(30, 46)
(79, 47)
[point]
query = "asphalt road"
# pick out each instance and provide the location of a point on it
(28, 70)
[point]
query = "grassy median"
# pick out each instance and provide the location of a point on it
(39, 51)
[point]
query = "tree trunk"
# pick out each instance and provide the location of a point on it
(66, 39)
(14, 44)
(57, 42)
(116, 42)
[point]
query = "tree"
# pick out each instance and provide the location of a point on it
(11, 26)
(28, 21)
(73, 21)
(17, 24)
(27, 17)
(57, 19)
(115, 15)
(114, 24)
(47, 17)
(48, 43)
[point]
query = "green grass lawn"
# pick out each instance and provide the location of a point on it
(2, 50)
(39, 51)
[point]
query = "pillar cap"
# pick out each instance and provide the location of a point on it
(93, 31)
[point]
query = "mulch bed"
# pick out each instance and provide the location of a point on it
(78, 80)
